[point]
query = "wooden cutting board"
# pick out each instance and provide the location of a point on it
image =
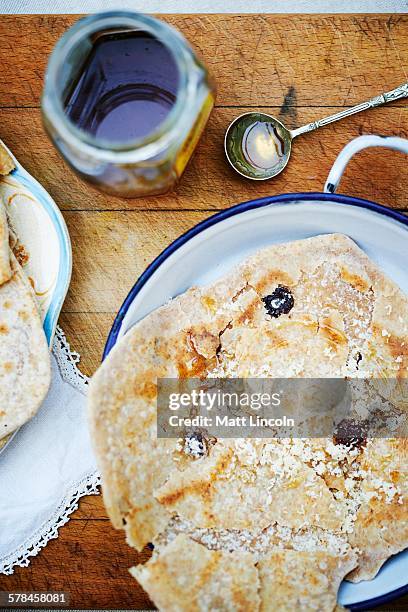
(298, 67)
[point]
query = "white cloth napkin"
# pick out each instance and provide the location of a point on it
(48, 465)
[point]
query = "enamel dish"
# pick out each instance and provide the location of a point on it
(213, 246)
(43, 246)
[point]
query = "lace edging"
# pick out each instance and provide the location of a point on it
(68, 366)
(30, 548)
(68, 362)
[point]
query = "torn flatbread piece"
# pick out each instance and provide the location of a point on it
(25, 369)
(6, 161)
(5, 266)
(186, 576)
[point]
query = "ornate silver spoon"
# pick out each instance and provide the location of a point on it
(258, 145)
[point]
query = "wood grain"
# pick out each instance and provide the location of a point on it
(117, 248)
(87, 333)
(310, 60)
(88, 561)
(296, 67)
(209, 183)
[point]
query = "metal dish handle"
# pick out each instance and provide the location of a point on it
(353, 147)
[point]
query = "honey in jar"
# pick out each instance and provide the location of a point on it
(125, 102)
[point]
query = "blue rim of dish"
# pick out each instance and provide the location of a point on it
(65, 264)
(287, 198)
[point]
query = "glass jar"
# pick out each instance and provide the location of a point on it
(143, 164)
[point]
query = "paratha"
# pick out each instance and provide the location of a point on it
(188, 576)
(6, 161)
(185, 575)
(312, 308)
(25, 369)
(6, 166)
(5, 267)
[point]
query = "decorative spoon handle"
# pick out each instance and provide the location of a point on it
(395, 94)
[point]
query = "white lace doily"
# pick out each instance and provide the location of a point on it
(68, 362)
(48, 466)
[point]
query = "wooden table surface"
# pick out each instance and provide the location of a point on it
(298, 67)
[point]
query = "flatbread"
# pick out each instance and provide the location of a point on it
(6, 166)
(292, 580)
(335, 327)
(6, 161)
(5, 267)
(259, 542)
(280, 488)
(24, 356)
(187, 576)
(381, 525)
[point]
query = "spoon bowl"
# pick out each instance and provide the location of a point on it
(257, 146)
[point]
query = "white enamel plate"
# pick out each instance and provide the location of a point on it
(211, 248)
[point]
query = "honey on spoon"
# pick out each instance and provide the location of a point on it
(258, 145)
